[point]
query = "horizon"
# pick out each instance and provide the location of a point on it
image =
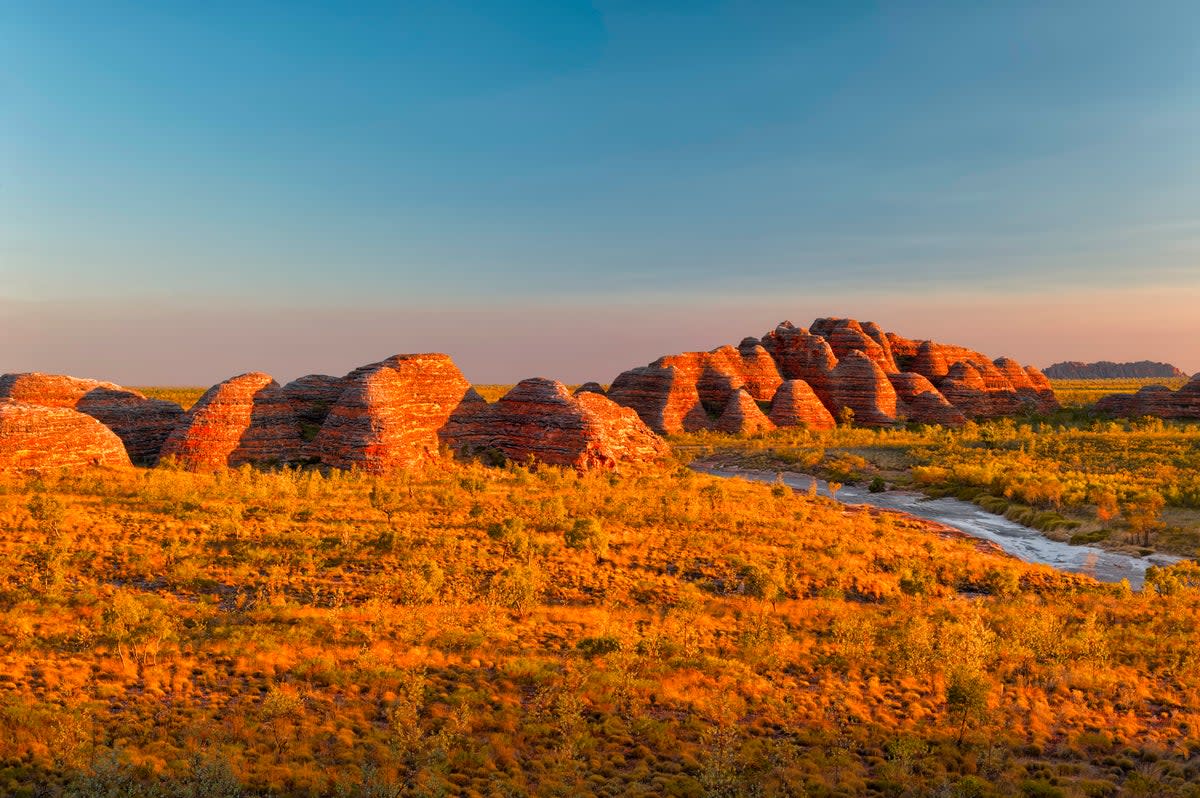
(573, 189)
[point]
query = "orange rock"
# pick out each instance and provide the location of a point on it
(803, 356)
(390, 413)
(861, 385)
(923, 403)
(1156, 400)
(742, 416)
(142, 424)
(663, 397)
(796, 405)
(761, 377)
(964, 387)
(847, 335)
(540, 419)
(39, 438)
(245, 419)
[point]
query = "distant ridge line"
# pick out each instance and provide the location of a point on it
(1106, 369)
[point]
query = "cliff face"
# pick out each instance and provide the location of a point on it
(845, 364)
(1107, 370)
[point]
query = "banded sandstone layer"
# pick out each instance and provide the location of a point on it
(142, 424)
(852, 369)
(540, 418)
(39, 438)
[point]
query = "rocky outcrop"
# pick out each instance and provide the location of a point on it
(390, 413)
(246, 419)
(742, 416)
(591, 387)
(858, 383)
(40, 438)
(142, 424)
(663, 397)
(848, 335)
(964, 387)
(923, 403)
(796, 405)
(1107, 370)
(540, 419)
(958, 383)
(760, 375)
(1156, 400)
(802, 356)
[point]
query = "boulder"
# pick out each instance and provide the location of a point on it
(591, 387)
(245, 419)
(923, 403)
(142, 424)
(539, 419)
(796, 405)
(390, 413)
(861, 385)
(40, 438)
(742, 416)
(663, 397)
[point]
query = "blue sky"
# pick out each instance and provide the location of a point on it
(741, 161)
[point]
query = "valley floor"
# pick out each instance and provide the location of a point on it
(475, 631)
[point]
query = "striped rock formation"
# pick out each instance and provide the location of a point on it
(858, 383)
(663, 397)
(923, 403)
(390, 413)
(743, 416)
(796, 405)
(142, 424)
(245, 419)
(40, 438)
(958, 383)
(540, 419)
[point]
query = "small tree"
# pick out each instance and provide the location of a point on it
(966, 698)
(587, 533)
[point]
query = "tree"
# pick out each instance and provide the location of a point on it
(966, 698)
(587, 533)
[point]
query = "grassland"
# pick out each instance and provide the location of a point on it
(472, 631)
(1081, 393)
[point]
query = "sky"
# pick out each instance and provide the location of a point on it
(193, 190)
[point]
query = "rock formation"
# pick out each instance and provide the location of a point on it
(923, 403)
(692, 391)
(796, 405)
(860, 384)
(663, 397)
(540, 419)
(246, 419)
(591, 387)
(1155, 400)
(390, 413)
(743, 416)
(40, 438)
(142, 424)
(1107, 370)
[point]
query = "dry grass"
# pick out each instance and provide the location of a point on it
(472, 631)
